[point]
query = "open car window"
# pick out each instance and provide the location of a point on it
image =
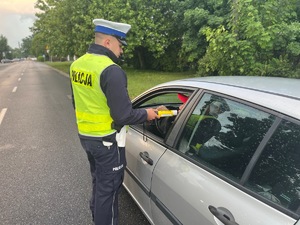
(170, 100)
(164, 101)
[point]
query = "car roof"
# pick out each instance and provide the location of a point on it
(276, 93)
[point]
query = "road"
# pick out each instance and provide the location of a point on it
(44, 176)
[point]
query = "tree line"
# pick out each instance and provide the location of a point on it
(7, 52)
(212, 37)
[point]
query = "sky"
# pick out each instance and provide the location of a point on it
(16, 16)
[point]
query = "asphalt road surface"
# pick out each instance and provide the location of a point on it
(44, 173)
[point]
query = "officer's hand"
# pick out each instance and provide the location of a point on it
(151, 114)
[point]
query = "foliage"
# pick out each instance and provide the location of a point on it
(4, 48)
(26, 47)
(213, 37)
(193, 16)
(51, 35)
(40, 58)
(262, 38)
(151, 21)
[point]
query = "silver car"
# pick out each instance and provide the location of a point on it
(230, 156)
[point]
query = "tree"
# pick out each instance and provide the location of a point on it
(191, 17)
(261, 38)
(51, 29)
(215, 37)
(4, 48)
(150, 35)
(26, 46)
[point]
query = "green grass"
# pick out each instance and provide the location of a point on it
(62, 66)
(138, 80)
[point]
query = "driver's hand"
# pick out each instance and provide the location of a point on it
(152, 114)
(161, 108)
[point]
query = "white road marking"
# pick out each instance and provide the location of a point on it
(15, 89)
(2, 114)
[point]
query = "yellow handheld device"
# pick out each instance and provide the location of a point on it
(165, 113)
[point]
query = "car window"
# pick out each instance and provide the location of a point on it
(276, 175)
(223, 134)
(170, 101)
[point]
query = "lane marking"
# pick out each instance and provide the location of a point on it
(2, 114)
(15, 89)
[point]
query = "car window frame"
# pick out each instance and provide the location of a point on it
(156, 92)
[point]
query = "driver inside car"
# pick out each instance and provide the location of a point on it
(164, 123)
(206, 125)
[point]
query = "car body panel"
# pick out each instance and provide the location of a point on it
(183, 187)
(276, 85)
(142, 170)
(278, 102)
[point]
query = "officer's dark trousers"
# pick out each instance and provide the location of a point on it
(107, 166)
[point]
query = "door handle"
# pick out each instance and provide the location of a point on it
(145, 156)
(223, 214)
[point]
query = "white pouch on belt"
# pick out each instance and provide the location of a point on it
(121, 137)
(107, 144)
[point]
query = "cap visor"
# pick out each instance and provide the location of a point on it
(122, 42)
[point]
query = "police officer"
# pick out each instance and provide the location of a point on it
(102, 108)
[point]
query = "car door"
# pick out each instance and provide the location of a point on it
(229, 179)
(144, 147)
(141, 154)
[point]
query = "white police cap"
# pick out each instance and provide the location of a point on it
(118, 30)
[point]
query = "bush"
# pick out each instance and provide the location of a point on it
(40, 58)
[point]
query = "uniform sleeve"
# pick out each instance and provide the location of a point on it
(113, 83)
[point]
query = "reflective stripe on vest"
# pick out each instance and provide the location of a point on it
(92, 112)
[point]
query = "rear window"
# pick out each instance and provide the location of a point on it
(276, 175)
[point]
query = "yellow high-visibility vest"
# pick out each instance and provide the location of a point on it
(92, 112)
